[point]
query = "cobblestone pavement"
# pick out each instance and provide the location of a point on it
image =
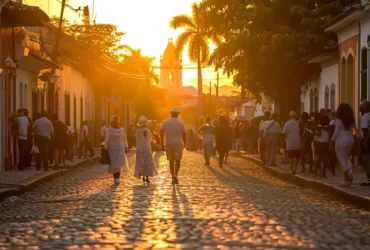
(238, 207)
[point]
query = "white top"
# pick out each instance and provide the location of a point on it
(70, 130)
(268, 129)
(22, 127)
(291, 130)
(324, 137)
(341, 134)
(103, 130)
(43, 127)
(364, 123)
(173, 129)
(84, 128)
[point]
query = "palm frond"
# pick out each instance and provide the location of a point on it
(182, 21)
(182, 40)
(193, 49)
(204, 49)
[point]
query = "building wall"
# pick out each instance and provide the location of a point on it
(328, 76)
(74, 84)
(365, 32)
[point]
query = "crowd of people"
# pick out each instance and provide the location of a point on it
(49, 141)
(317, 142)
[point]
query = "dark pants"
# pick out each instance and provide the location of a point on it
(22, 145)
(221, 152)
(306, 155)
(28, 153)
(322, 157)
(43, 144)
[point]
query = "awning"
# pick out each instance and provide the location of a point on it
(34, 63)
(17, 15)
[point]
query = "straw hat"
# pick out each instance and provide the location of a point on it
(143, 121)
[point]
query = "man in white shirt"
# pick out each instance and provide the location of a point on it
(293, 142)
(174, 130)
(43, 130)
(365, 140)
(23, 125)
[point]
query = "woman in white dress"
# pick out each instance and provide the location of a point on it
(344, 140)
(116, 143)
(144, 166)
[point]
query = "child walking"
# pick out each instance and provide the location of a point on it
(144, 167)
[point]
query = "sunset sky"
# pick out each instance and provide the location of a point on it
(145, 22)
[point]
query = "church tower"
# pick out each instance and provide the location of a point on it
(171, 68)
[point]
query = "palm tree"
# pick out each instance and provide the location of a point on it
(197, 36)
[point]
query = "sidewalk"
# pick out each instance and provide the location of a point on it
(15, 182)
(354, 194)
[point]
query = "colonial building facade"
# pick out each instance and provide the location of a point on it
(344, 74)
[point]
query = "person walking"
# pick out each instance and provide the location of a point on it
(207, 131)
(322, 146)
(223, 136)
(144, 166)
(43, 131)
(23, 125)
(103, 130)
(271, 130)
(60, 141)
(116, 143)
(28, 160)
(344, 140)
(291, 132)
(174, 130)
(262, 141)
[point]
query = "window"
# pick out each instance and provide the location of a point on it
(20, 95)
(25, 100)
(311, 100)
(364, 74)
(316, 101)
(42, 98)
(75, 112)
(81, 109)
(332, 96)
(34, 101)
(302, 107)
(350, 80)
(67, 101)
(57, 102)
(343, 80)
(326, 97)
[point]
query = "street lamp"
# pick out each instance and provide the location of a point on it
(54, 78)
(8, 62)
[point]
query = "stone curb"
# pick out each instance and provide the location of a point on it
(34, 181)
(357, 200)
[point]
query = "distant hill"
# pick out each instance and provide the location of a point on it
(223, 90)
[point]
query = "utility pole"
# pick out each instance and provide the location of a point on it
(210, 97)
(217, 82)
(59, 29)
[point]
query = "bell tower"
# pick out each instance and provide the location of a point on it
(171, 68)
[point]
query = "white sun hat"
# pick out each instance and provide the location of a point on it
(175, 111)
(143, 121)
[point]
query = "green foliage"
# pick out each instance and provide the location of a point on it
(266, 43)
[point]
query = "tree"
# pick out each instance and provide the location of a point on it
(266, 43)
(197, 36)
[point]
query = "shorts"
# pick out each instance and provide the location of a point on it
(174, 152)
(294, 154)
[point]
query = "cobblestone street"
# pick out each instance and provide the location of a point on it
(238, 207)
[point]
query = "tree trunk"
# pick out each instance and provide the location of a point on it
(200, 86)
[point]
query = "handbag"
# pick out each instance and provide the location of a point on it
(104, 157)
